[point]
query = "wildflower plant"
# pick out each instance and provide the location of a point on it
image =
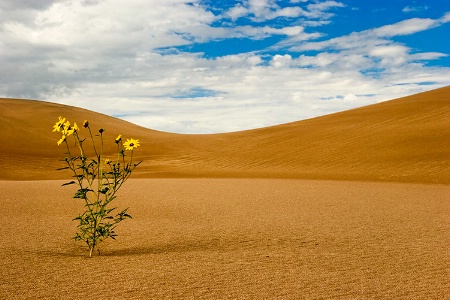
(98, 179)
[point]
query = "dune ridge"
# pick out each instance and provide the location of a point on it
(403, 140)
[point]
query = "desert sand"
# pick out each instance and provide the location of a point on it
(352, 205)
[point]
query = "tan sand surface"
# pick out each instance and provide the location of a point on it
(232, 239)
(406, 140)
(353, 205)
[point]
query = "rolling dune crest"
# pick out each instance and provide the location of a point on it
(406, 140)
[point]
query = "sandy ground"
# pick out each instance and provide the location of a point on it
(374, 224)
(232, 239)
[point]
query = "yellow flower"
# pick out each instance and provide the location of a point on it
(118, 138)
(58, 125)
(85, 124)
(67, 124)
(130, 144)
(61, 140)
(107, 161)
(68, 130)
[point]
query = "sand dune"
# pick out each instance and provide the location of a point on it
(373, 227)
(405, 139)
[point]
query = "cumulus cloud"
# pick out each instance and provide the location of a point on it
(237, 12)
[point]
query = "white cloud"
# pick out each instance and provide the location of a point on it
(408, 9)
(427, 56)
(315, 23)
(72, 24)
(390, 55)
(405, 27)
(323, 6)
(370, 38)
(263, 32)
(445, 18)
(236, 12)
(263, 10)
(281, 61)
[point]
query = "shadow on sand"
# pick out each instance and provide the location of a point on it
(215, 244)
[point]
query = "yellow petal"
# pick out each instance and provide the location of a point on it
(61, 140)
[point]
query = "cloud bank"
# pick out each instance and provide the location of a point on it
(138, 60)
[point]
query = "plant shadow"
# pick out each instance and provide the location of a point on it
(214, 244)
(180, 247)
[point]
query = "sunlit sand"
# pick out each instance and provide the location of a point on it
(352, 205)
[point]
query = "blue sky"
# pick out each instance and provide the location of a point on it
(204, 66)
(351, 16)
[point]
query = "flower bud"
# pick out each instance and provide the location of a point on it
(85, 124)
(118, 139)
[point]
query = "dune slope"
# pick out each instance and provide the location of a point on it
(405, 139)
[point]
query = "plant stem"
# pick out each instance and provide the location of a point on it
(93, 142)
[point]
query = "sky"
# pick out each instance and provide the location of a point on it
(204, 66)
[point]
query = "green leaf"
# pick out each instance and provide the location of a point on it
(81, 193)
(110, 210)
(104, 191)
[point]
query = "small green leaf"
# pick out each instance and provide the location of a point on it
(104, 191)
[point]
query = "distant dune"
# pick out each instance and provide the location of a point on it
(406, 140)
